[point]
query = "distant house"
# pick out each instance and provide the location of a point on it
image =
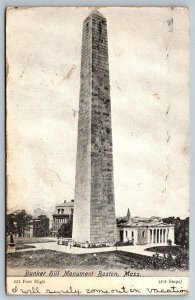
(143, 231)
(41, 226)
(37, 227)
(63, 213)
(28, 232)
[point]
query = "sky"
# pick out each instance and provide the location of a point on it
(149, 82)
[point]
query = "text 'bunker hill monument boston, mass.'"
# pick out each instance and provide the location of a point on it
(94, 209)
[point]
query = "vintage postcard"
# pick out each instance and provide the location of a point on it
(97, 115)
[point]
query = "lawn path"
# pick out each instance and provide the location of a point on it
(136, 249)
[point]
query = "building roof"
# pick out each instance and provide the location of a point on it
(141, 222)
(66, 206)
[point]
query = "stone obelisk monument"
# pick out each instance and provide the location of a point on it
(94, 211)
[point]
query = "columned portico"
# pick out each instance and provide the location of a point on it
(154, 239)
(164, 235)
(156, 234)
(160, 235)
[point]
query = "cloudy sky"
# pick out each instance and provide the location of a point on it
(148, 58)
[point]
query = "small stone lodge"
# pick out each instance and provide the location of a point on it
(141, 231)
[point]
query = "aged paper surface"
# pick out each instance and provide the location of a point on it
(97, 151)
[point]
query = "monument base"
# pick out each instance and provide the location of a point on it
(94, 245)
(11, 248)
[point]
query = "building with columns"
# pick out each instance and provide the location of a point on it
(142, 231)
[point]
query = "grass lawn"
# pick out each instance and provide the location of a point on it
(23, 246)
(32, 240)
(22, 241)
(54, 259)
(174, 250)
(176, 256)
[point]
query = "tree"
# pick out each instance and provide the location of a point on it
(42, 217)
(181, 230)
(11, 224)
(66, 230)
(17, 222)
(41, 226)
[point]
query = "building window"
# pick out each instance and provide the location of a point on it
(143, 233)
(100, 28)
(132, 234)
(62, 211)
(126, 233)
(58, 211)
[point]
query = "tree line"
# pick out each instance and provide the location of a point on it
(17, 221)
(181, 230)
